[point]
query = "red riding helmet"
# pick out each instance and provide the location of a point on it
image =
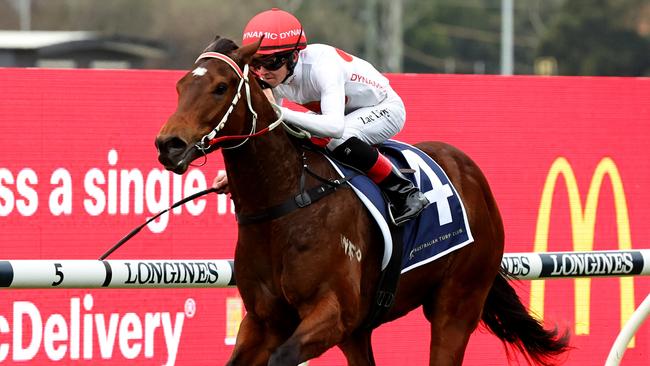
(281, 30)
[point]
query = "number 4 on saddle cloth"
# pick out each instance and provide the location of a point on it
(440, 229)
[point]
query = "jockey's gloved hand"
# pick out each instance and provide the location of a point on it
(221, 182)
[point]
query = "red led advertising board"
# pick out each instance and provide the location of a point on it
(566, 157)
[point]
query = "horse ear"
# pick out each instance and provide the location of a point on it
(212, 44)
(245, 54)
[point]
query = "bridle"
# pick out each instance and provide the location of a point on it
(305, 196)
(209, 140)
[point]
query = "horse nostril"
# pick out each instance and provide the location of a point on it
(171, 145)
(176, 144)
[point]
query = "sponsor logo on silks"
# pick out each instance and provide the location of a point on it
(364, 80)
(73, 335)
(583, 221)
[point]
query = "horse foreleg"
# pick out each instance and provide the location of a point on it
(358, 349)
(254, 341)
(320, 329)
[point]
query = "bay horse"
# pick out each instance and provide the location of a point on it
(302, 293)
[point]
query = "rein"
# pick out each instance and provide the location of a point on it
(137, 229)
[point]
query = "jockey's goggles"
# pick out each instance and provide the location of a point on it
(272, 62)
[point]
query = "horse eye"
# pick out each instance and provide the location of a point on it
(221, 88)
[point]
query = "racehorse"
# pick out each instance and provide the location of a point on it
(302, 292)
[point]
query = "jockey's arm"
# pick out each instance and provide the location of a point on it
(221, 182)
(331, 122)
(269, 95)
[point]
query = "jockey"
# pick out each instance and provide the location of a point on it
(352, 104)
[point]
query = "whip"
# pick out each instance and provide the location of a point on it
(137, 229)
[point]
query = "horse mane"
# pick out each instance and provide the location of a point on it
(221, 45)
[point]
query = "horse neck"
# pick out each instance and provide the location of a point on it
(266, 169)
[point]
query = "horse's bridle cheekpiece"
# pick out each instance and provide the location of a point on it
(210, 139)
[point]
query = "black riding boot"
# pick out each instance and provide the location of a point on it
(406, 200)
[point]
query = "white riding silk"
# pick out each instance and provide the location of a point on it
(350, 96)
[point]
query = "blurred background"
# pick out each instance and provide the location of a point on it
(546, 37)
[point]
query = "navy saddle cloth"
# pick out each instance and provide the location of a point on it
(440, 229)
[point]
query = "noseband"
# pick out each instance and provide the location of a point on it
(207, 141)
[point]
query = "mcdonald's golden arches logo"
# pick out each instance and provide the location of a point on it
(583, 220)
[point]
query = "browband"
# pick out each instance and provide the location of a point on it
(224, 58)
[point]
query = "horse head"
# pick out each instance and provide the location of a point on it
(208, 107)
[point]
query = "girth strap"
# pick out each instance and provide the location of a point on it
(387, 283)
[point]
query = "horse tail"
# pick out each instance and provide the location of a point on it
(506, 317)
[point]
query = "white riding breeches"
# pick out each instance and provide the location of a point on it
(374, 124)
